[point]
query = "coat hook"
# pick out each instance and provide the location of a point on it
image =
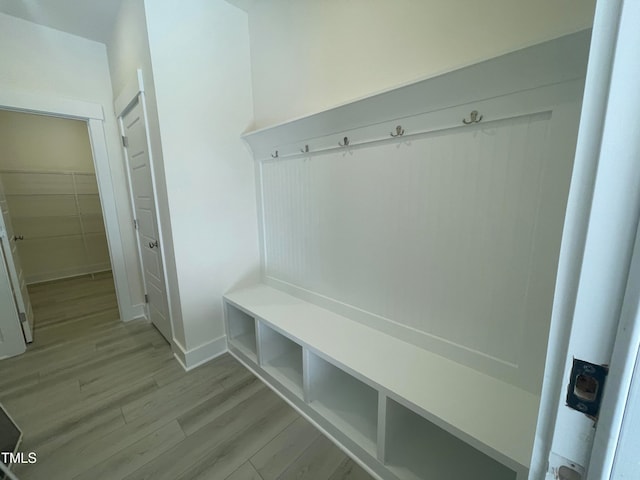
(274, 155)
(345, 142)
(305, 149)
(474, 118)
(399, 131)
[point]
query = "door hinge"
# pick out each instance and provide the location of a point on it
(146, 298)
(135, 223)
(125, 141)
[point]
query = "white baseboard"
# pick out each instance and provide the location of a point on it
(66, 273)
(190, 359)
(135, 312)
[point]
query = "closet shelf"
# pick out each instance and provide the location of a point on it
(63, 235)
(57, 194)
(41, 217)
(490, 415)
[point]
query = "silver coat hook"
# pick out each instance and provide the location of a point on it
(474, 118)
(305, 149)
(345, 142)
(274, 155)
(399, 131)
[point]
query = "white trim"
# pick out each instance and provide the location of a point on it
(190, 359)
(135, 91)
(615, 221)
(600, 230)
(110, 212)
(574, 235)
(133, 213)
(94, 116)
(59, 107)
(618, 394)
(66, 273)
(129, 94)
(140, 311)
(156, 205)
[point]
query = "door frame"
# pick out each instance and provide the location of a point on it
(592, 305)
(93, 115)
(134, 91)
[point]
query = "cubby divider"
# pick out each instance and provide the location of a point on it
(241, 328)
(348, 403)
(281, 358)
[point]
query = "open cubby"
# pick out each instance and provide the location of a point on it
(420, 430)
(349, 404)
(242, 330)
(281, 358)
(415, 448)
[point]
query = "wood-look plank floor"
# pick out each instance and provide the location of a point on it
(100, 399)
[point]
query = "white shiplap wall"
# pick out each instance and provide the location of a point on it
(448, 237)
(435, 234)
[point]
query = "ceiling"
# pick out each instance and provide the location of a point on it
(92, 19)
(245, 5)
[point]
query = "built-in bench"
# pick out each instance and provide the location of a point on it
(402, 412)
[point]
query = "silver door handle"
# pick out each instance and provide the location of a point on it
(153, 244)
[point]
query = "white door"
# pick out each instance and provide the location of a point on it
(8, 239)
(11, 338)
(133, 127)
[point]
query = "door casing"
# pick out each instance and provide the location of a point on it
(135, 92)
(93, 115)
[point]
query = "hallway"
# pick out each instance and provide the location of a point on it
(100, 399)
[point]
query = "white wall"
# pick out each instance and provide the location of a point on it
(47, 62)
(307, 56)
(128, 50)
(195, 61)
(201, 67)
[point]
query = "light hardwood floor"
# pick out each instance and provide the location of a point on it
(99, 399)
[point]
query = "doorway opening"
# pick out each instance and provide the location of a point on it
(91, 118)
(52, 214)
(53, 217)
